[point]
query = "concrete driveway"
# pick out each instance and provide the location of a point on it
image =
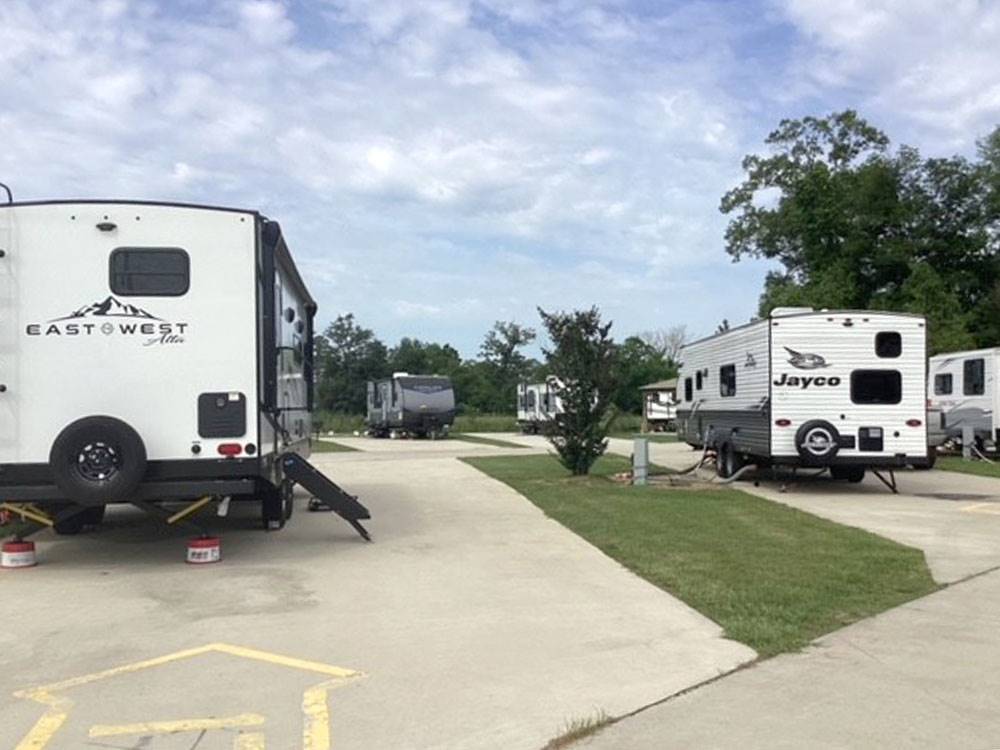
(472, 621)
(926, 674)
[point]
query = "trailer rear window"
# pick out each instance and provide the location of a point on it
(727, 380)
(888, 344)
(150, 272)
(943, 384)
(974, 377)
(876, 387)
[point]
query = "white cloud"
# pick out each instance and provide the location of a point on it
(459, 161)
(931, 66)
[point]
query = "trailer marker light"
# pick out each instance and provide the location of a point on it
(913, 423)
(783, 422)
(230, 449)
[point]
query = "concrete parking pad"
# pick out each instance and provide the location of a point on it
(926, 674)
(472, 621)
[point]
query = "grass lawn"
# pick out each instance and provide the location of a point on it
(328, 446)
(483, 440)
(957, 463)
(774, 577)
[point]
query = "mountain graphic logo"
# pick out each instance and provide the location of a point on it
(109, 308)
(804, 361)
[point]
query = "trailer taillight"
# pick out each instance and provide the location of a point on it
(913, 423)
(783, 422)
(230, 449)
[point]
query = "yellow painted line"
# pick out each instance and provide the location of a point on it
(43, 731)
(193, 507)
(316, 716)
(251, 741)
(990, 508)
(176, 725)
(284, 661)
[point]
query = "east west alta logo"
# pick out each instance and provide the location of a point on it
(112, 317)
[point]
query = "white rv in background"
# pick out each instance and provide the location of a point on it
(837, 389)
(659, 406)
(537, 405)
(962, 386)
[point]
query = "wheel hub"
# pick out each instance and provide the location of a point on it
(98, 461)
(818, 442)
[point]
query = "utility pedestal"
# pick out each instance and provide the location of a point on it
(640, 460)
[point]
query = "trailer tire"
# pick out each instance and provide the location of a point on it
(817, 441)
(276, 505)
(852, 474)
(92, 516)
(727, 461)
(97, 459)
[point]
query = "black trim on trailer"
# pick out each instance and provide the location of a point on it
(156, 471)
(270, 235)
(181, 489)
(126, 202)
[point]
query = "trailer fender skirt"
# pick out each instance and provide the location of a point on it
(326, 491)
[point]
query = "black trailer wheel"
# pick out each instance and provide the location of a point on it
(91, 516)
(727, 461)
(276, 505)
(96, 459)
(852, 474)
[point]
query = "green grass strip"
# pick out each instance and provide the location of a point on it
(774, 577)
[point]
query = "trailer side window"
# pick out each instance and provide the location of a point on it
(888, 344)
(688, 390)
(876, 387)
(531, 399)
(727, 380)
(150, 272)
(698, 380)
(942, 384)
(974, 377)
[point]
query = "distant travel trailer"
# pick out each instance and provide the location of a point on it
(837, 389)
(410, 405)
(962, 386)
(537, 404)
(153, 352)
(659, 406)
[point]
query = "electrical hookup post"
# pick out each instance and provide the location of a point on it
(640, 460)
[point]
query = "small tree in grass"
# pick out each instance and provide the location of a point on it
(583, 358)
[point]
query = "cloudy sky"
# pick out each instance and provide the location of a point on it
(441, 164)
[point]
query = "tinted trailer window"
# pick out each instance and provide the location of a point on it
(876, 387)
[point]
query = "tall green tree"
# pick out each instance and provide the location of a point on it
(423, 358)
(584, 358)
(639, 363)
(347, 357)
(505, 363)
(855, 225)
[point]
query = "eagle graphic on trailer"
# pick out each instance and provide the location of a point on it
(835, 389)
(153, 352)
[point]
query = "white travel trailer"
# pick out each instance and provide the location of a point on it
(418, 405)
(537, 405)
(153, 352)
(837, 389)
(962, 386)
(659, 405)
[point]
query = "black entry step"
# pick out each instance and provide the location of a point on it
(326, 492)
